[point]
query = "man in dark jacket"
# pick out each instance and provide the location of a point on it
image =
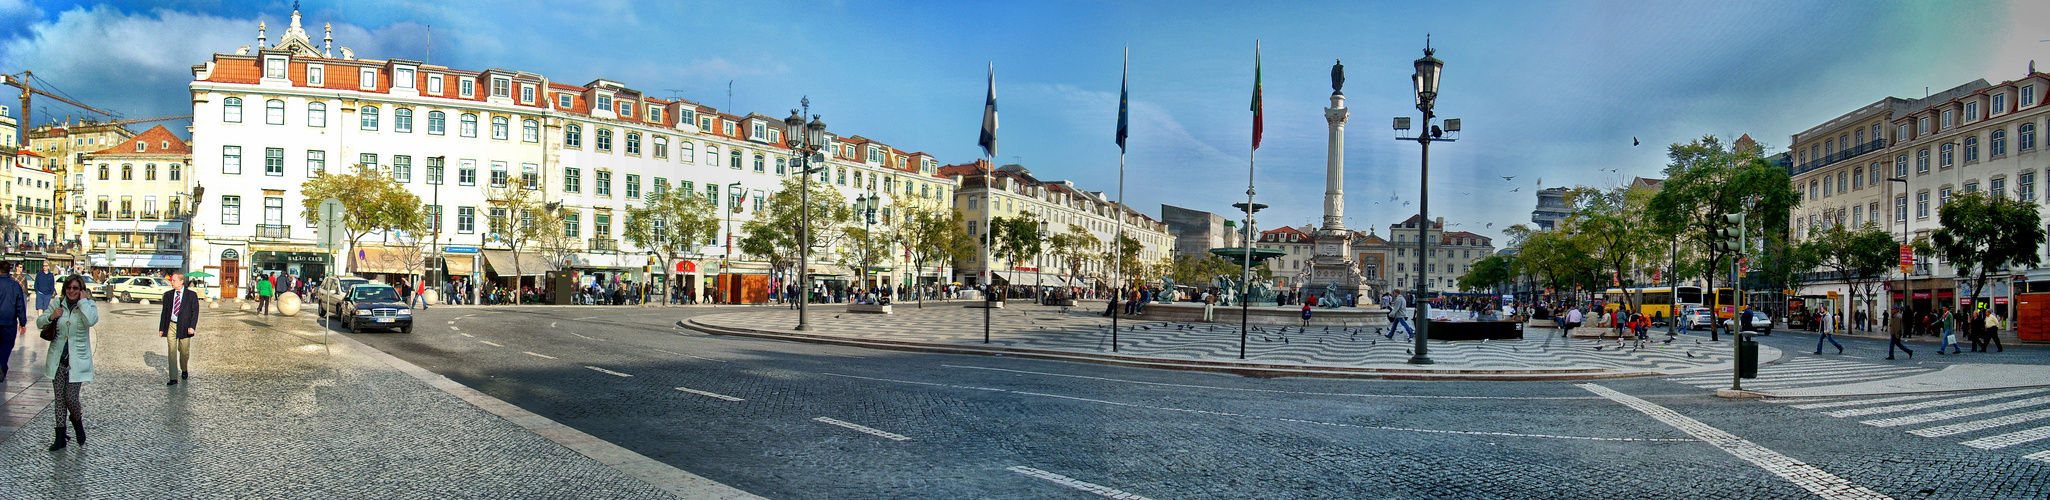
(181, 305)
(46, 286)
(13, 314)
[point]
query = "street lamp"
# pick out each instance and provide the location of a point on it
(805, 139)
(437, 166)
(866, 205)
(1428, 70)
(1905, 296)
(732, 203)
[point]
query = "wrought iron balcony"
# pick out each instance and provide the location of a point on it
(1838, 156)
(273, 231)
(604, 245)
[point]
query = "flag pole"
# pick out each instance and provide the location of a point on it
(989, 153)
(1118, 241)
(1252, 155)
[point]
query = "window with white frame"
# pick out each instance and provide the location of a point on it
(498, 174)
(466, 220)
(274, 112)
(2028, 95)
(434, 84)
(316, 114)
(633, 186)
(604, 102)
(1971, 112)
(761, 163)
(274, 67)
(573, 136)
(604, 135)
(1922, 161)
(402, 78)
(501, 87)
(1996, 143)
(316, 162)
(526, 94)
(1971, 149)
(654, 113)
(1858, 178)
(367, 116)
(530, 176)
(231, 210)
(436, 170)
(501, 128)
(231, 110)
(661, 147)
(572, 180)
(2025, 136)
(1947, 155)
(1997, 186)
(712, 155)
(1999, 104)
(402, 120)
(564, 100)
(273, 162)
(686, 115)
(274, 211)
(633, 143)
(1949, 119)
(530, 130)
(368, 80)
(231, 160)
(466, 173)
(686, 151)
(402, 168)
(2025, 185)
(1942, 197)
(468, 125)
(437, 123)
(1900, 208)
(1921, 126)
(626, 109)
(316, 75)
(467, 87)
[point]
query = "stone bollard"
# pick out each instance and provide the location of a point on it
(288, 304)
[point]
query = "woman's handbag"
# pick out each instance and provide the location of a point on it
(50, 332)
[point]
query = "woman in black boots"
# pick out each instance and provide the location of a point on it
(70, 360)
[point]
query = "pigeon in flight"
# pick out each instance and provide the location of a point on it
(1633, 141)
(1508, 177)
(1491, 224)
(1515, 190)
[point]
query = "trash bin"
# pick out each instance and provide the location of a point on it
(1747, 358)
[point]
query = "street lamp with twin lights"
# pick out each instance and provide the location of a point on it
(805, 139)
(865, 207)
(1428, 69)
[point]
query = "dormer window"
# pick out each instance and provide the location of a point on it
(626, 109)
(164, 144)
(274, 67)
(1971, 112)
(467, 87)
(564, 101)
(140, 146)
(1999, 104)
(369, 80)
(604, 102)
(729, 127)
(501, 87)
(2028, 95)
(526, 94)
(705, 123)
(434, 84)
(684, 116)
(654, 113)
(402, 78)
(316, 75)
(760, 131)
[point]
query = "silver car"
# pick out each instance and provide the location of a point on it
(1699, 318)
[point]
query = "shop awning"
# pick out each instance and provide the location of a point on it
(160, 261)
(501, 262)
(459, 265)
(386, 260)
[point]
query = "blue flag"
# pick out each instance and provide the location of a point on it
(989, 117)
(1124, 97)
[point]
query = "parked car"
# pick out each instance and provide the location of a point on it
(1761, 323)
(1699, 318)
(333, 291)
(375, 305)
(101, 290)
(138, 288)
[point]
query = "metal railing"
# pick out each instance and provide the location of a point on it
(1838, 156)
(604, 244)
(273, 231)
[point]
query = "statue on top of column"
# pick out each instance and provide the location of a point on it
(1337, 77)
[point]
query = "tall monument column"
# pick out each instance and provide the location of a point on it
(1332, 270)
(1334, 164)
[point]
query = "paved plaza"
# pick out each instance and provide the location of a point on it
(1335, 351)
(276, 409)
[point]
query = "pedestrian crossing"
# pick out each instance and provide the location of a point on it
(1804, 372)
(1999, 420)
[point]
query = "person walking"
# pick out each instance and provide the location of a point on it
(264, 291)
(1992, 332)
(13, 314)
(1828, 333)
(1398, 316)
(72, 351)
(1946, 321)
(1893, 331)
(46, 286)
(176, 324)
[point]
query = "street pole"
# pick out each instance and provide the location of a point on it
(1737, 287)
(805, 139)
(1428, 71)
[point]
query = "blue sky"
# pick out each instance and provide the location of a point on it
(1547, 90)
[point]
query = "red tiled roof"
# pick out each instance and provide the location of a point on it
(153, 141)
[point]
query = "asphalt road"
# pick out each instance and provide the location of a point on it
(795, 420)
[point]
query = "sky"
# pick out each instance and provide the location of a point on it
(1552, 93)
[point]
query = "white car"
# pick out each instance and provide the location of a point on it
(1761, 323)
(1699, 318)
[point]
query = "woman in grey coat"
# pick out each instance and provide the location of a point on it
(70, 361)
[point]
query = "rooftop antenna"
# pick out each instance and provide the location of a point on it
(729, 97)
(430, 45)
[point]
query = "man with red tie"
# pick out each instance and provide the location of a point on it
(177, 324)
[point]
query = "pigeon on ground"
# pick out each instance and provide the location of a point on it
(1690, 354)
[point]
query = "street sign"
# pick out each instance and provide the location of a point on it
(459, 249)
(331, 223)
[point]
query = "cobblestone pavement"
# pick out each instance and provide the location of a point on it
(1047, 328)
(802, 420)
(271, 412)
(2009, 421)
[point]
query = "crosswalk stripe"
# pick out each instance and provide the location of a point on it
(1857, 402)
(1960, 412)
(2009, 439)
(1859, 412)
(1770, 383)
(1880, 371)
(1980, 425)
(2041, 456)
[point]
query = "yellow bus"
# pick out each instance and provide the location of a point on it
(1725, 303)
(1655, 301)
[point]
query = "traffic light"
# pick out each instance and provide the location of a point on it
(1732, 237)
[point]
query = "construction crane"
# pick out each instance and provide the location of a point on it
(21, 82)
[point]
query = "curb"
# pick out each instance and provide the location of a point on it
(677, 482)
(1255, 370)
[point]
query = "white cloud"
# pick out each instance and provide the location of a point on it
(134, 64)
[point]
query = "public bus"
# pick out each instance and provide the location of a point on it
(1725, 303)
(1654, 301)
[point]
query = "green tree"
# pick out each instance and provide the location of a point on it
(1858, 257)
(1074, 247)
(1606, 223)
(1489, 272)
(1200, 270)
(930, 234)
(670, 225)
(1553, 259)
(1707, 180)
(776, 233)
(1126, 264)
(520, 198)
(1017, 238)
(371, 200)
(1988, 234)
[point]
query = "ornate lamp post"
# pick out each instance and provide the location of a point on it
(1428, 69)
(805, 139)
(866, 205)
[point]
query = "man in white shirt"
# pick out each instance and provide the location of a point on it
(1828, 333)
